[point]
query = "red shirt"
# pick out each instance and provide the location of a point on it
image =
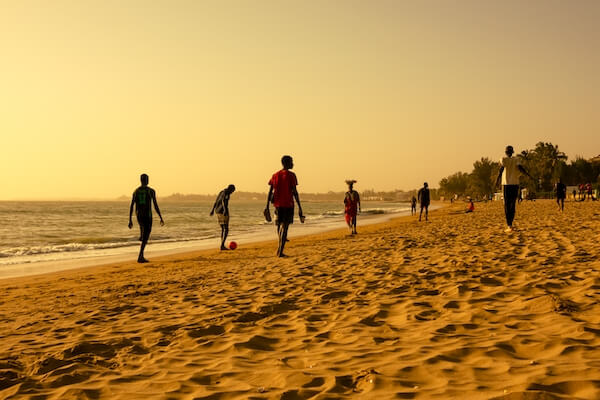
(284, 182)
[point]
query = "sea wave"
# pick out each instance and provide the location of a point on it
(86, 244)
(365, 211)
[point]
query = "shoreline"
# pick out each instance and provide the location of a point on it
(18, 270)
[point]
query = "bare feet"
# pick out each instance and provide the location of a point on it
(142, 260)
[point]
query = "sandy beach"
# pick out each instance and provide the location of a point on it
(453, 308)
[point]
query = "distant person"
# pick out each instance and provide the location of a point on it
(509, 173)
(470, 207)
(221, 207)
(413, 205)
(424, 200)
(574, 194)
(560, 190)
(282, 193)
(520, 199)
(351, 206)
(589, 191)
(143, 198)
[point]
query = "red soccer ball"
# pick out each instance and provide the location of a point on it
(232, 245)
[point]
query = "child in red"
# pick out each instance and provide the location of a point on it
(471, 206)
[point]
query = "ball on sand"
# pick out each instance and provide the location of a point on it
(232, 245)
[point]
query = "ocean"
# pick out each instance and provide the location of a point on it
(39, 231)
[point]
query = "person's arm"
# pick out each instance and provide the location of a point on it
(358, 198)
(156, 208)
(499, 176)
(130, 225)
(269, 196)
(212, 212)
(295, 192)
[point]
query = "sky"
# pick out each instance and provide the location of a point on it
(201, 94)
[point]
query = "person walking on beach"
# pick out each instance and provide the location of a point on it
(424, 200)
(282, 193)
(221, 207)
(561, 193)
(413, 205)
(143, 198)
(510, 168)
(351, 206)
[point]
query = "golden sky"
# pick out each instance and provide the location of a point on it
(200, 94)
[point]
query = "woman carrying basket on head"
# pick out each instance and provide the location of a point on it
(351, 206)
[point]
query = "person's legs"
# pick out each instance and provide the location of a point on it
(421, 213)
(510, 199)
(562, 204)
(285, 216)
(354, 225)
(348, 219)
(145, 229)
(224, 233)
(427, 212)
(282, 238)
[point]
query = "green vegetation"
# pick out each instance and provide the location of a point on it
(546, 163)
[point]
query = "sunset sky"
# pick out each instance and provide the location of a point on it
(200, 94)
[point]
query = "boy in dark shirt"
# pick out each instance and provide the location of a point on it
(424, 200)
(561, 194)
(143, 198)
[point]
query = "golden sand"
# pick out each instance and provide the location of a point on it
(454, 308)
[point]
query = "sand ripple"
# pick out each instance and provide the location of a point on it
(454, 308)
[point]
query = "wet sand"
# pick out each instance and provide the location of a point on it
(453, 308)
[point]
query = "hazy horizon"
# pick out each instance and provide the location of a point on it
(203, 94)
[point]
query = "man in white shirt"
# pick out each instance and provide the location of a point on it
(510, 171)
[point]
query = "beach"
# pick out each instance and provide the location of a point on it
(452, 308)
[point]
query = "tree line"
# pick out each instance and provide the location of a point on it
(545, 163)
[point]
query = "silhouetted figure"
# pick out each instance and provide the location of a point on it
(520, 199)
(282, 193)
(574, 195)
(590, 191)
(413, 205)
(351, 206)
(221, 207)
(560, 190)
(471, 206)
(509, 173)
(143, 198)
(424, 201)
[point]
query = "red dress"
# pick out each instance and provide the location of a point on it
(351, 205)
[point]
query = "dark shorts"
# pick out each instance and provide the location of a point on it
(145, 222)
(284, 215)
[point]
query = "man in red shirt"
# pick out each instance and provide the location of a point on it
(282, 193)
